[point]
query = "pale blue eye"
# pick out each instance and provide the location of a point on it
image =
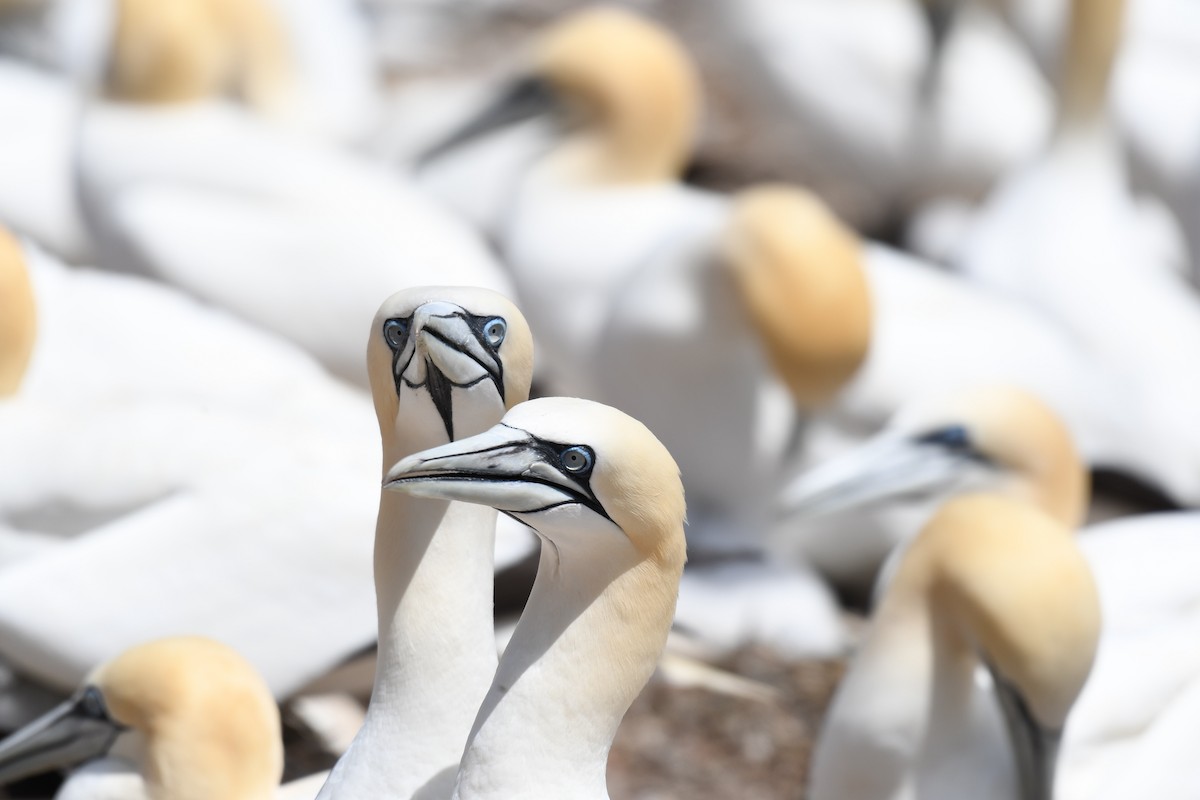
(396, 332)
(576, 459)
(494, 330)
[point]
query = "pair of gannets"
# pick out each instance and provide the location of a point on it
(124, 475)
(606, 500)
(1058, 235)
(1007, 442)
(299, 62)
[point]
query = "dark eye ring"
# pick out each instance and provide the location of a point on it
(92, 703)
(494, 330)
(395, 331)
(576, 459)
(952, 437)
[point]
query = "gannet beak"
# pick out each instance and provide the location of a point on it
(76, 731)
(1035, 747)
(886, 467)
(523, 99)
(505, 468)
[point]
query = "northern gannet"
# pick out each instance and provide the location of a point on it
(990, 582)
(181, 718)
(1058, 234)
(125, 468)
(445, 363)
(606, 500)
(624, 271)
(1006, 441)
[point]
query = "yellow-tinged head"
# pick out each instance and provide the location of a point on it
(1020, 436)
(800, 275)
(211, 725)
(633, 88)
(1093, 39)
(1007, 580)
(18, 315)
(168, 52)
(570, 469)
(445, 362)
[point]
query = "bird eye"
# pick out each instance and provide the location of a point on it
(576, 459)
(396, 332)
(91, 704)
(494, 330)
(952, 437)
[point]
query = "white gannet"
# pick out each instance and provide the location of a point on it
(606, 500)
(126, 467)
(885, 109)
(181, 718)
(1006, 441)
(624, 271)
(445, 363)
(1058, 234)
(990, 582)
(992, 438)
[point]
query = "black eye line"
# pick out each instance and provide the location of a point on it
(476, 324)
(954, 439)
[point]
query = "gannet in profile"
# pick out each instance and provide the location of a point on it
(990, 582)
(1006, 441)
(606, 500)
(127, 466)
(1058, 235)
(677, 305)
(991, 438)
(445, 363)
(183, 718)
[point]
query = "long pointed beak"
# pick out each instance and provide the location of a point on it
(524, 99)
(67, 735)
(1035, 747)
(505, 468)
(886, 467)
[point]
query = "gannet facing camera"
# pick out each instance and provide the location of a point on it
(605, 497)
(989, 582)
(183, 718)
(444, 362)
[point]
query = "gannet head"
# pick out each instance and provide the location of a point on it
(571, 469)
(800, 275)
(999, 438)
(1006, 581)
(446, 362)
(207, 722)
(623, 85)
(18, 315)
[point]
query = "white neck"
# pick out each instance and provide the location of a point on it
(437, 654)
(587, 643)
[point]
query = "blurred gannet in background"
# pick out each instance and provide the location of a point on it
(886, 111)
(445, 363)
(176, 718)
(300, 62)
(295, 237)
(606, 500)
(678, 305)
(1057, 235)
(990, 582)
(129, 505)
(1005, 441)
